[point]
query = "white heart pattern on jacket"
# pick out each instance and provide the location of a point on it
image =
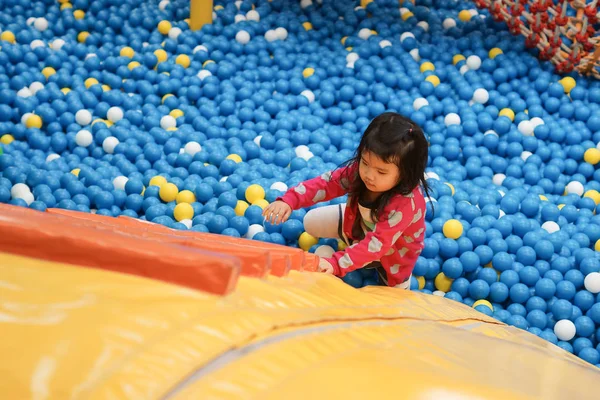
(403, 251)
(345, 262)
(326, 176)
(394, 269)
(408, 239)
(319, 196)
(390, 252)
(394, 218)
(417, 216)
(396, 237)
(300, 189)
(375, 245)
(418, 233)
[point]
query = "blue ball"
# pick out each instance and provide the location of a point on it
(479, 289)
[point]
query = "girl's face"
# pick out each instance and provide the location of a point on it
(377, 175)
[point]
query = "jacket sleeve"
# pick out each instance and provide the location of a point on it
(397, 216)
(322, 188)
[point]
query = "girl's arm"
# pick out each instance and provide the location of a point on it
(322, 188)
(394, 221)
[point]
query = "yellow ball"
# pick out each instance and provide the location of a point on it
(240, 208)
(262, 203)
(434, 80)
(451, 188)
(127, 52)
(76, 172)
(65, 90)
(594, 195)
(183, 60)
(7, 139)
(508, 113)
(427, 66)
(307, 26)
(453, 229)
(306, 241)
(457, 58)
(464, 15)
(34, 121)
(158, 181)
(168, 192)
(483, 303)
(133, 64)
(254, 192)
(78, 14)
(185, 196)
(308, 72)
(161, 55)
(176, 113)
(89, 82)
(105, 88)
(218, 8)
(235, 158)
(166, 96)
(183, 211)
(592, 156)
(172, 129)
(560, 206)
(82, 36)
(543, 198)
(205, 63)
(407, 15)
(343, 40)
(443, 283)
(597, 245)
(48, 72)
(65, 6)
(421, 280)
(8, 36)
(495, 52)
(164, 27)
(568, 83)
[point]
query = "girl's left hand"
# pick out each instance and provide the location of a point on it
(325, 266)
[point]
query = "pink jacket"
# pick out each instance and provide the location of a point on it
(397, 239)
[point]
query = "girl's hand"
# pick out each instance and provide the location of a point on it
(277, 212)
(325, 266)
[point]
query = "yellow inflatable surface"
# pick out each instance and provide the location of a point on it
(69, 332)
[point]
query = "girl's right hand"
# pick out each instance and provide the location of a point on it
(277, 212)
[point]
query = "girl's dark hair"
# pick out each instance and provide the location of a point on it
(395, 139)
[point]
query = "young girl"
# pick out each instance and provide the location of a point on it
(383, 221)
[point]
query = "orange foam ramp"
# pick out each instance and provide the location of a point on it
(56, 238)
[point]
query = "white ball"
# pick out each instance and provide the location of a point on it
(174, 33)
(406, 35)
(309, 95)
(473, 12)
(490, 132)
(481, 96)
(550, 226)
(167, 122)
(464, 69)
(282, 33)
(385, 43)
(324, 251)
(83, 117)
(41, 24)
(438, 293)
(163, 4)
(592, 282)
(203, 74)
(57, 44)
(84, 138)
(90, 55)
(449, 23)
(306, 3)
(187, 223)
(565, 330)
(257, 140)
(420, 102)
(307, 156)
(25, 117)
(271, 35)
(238, 4)
(498, 179)
(223, 179)
(575, 187)
(253, 230)
(423, 25)
(192, 148)
(282, 187)
(414, 53)
(37, 43)
(365, 33)
(352, 57)
(536, 121)
(526, 128)
(501, 214)
(350, 65)
(30, 21)
(501, 193)
(36, 87)
(525, 155)
(119, 182)
(109, 144)
(25, 92)
(19, 190)
(452, 119)
(239, 18)
(114, 114)
(242, 37)
(473, 62)
(432, 175)
(253, 15)
(300, 150)
(52, 157)
(199, 48)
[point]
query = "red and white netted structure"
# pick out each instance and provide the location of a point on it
(565, 32)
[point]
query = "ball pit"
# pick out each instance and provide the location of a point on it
(121, 109)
